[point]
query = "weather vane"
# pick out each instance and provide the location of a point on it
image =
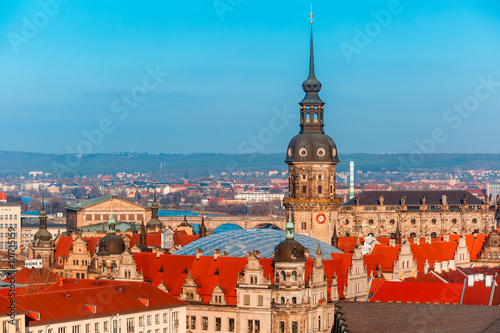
(311, 15)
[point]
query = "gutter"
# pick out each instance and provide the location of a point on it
(463, 291)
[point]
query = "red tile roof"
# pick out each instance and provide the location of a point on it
(418, 292)
(69, 305)
(33, 276)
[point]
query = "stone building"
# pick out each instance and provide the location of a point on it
(43, 246)
(96, 210)
(316, 210)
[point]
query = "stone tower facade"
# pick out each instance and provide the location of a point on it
(312, 159)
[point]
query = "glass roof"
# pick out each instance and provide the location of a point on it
(239, 243)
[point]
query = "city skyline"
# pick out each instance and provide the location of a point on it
(215, 76)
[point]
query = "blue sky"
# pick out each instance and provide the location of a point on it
(234, 64)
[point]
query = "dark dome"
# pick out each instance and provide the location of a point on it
(311, 147)
(154, 223)
(111, 244)
(289, 250)
(44, 236)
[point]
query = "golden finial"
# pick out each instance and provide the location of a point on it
(311, 15)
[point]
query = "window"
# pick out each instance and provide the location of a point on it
(105, 326)
(295, 327)
(260, 300)
(250, 326)
(257, 325)
(96, 327)
(304, 189)
(246, 300)
(319, 322)
(157, 319)
(76, 329)
(413, 235)
(282, 300)
(294, 276)
(370, 221)
(204, 323)
(474, 220)
(304, 225)
(320, 189)
(392, 221)
(165, 317)
(346, 221)
(304, 177)
(282, 327)
(413, 221)
(294, 300)
(149, 320)
(454, 221)
(141, 321)
(231, 325)
(434, 221)
(61, 330)
(193, 322)
(87, 328)
(130, 325)
(77, 275)
(433, 235)
(218, 324)
(283, 276)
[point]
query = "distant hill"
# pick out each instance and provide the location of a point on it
(204, 164)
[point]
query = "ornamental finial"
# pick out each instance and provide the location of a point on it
(311, 14)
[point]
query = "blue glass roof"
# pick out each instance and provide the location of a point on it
(227, 227)
(239, 243)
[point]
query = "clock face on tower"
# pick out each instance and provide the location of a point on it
(320, 218)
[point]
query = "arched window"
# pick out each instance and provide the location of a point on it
(294, 300)
(294, 276)
(346, 221)
(113, 267)
(434, 235)
(454, 221)
(347, 234)
(104, 268)
(283, 276)
(434, 221)
(474, 220)
(308, 118)
(413, 221)
(392, 221)
(413, 235)
(370, 221)
(282, 300)
(315, 117)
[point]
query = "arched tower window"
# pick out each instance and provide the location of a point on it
(413, 235)
(315, 117)
(294, 276)
(434, 235)
(283, 276)
(308, 118)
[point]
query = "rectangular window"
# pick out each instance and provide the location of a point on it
(105, 326)
(204, 323)
(218, 324)
(304, 189)
(246, 300)
(87, 328)
(149, 320)
(260, 300)
(320, 189)
(165, 317)
(295, 327)
(130, 325)
(61, 330)
(115, 326)
(257, 325)
(96, 327)
(282, 327)
(141, 321)
(193, 322)
(250, 326)
(76, 329)
(157, 319)
(231, 325)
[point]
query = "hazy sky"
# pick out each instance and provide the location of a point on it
(225, 72)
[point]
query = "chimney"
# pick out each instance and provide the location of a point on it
(452, 265)
(489, 280)
(445, 266)
(416, 240)
(199, 252)
(437, 267)
(392, 242)
(446, 238)
(428, 239)
(470, 281)
(216, 254)
(61, 282)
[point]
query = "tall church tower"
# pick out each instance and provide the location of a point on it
(43, 246)
(312, 159)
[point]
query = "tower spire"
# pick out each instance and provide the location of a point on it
(290, 227)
